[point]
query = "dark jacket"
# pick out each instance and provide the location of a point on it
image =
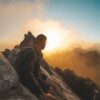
(23, 66)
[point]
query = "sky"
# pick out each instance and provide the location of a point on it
(63, 21)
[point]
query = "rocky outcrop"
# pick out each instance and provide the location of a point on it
(27, 38)
(10, 87)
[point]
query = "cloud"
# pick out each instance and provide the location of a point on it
(13, 9)
(22, 7)
(19, 16)
(55, 30)
(37, 25)
(39, 7)
(15, 13)
(85, 63)
(6, 43)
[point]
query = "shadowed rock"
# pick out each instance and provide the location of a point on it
(10, 87)
(27, 38)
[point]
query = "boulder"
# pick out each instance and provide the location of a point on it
(10, 86)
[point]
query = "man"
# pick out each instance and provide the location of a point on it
(28, 65)
(39, 45)
(44, 81)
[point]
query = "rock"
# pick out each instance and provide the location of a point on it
(10, 86)
(27, 38)
(6, 52)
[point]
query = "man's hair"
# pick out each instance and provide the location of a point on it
(41, 37)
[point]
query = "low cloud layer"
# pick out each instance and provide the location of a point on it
(84, 62)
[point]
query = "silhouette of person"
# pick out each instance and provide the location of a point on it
(39, 45)
(23, 66)
(27, 66)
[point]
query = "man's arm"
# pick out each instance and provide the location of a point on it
(35, 80)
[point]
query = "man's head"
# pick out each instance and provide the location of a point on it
(41, 41)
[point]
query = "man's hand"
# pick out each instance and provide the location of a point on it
(51, 81)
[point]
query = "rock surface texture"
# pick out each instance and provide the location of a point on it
(10, 87)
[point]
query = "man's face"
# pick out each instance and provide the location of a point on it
(43, 44)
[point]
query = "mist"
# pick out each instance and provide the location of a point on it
(84, 62)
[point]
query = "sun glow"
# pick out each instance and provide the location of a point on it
(54, 41)
(58, 36)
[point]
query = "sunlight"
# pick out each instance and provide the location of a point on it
(58, 36)
(54, 40)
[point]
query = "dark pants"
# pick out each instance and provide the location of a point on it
(32, 86)
(43, 85)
